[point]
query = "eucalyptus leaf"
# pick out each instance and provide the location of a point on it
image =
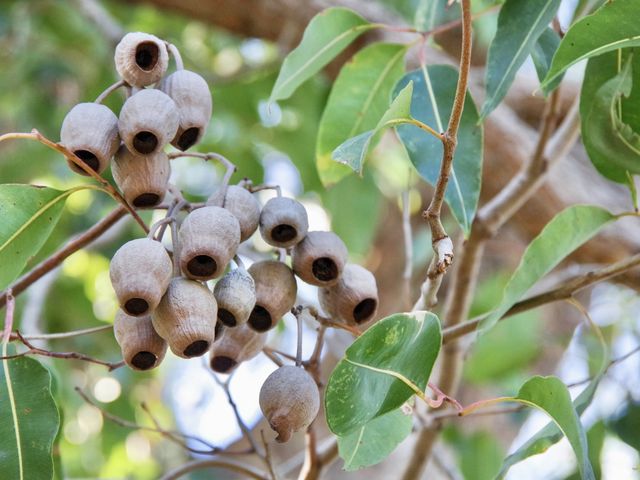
(29, 419)
(353, 151)
(374, 441)
(326, 35)
(562, 235)
(358, 99)
(381, 370)
(28, 215)
(520, 24)
(613, 26)
(543, 52)
(433, 94)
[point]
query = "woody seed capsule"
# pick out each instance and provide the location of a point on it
(209, 238)
(243, 205)
(141, 59)
(140, 272)
(354, 299)
(191, 94)
(142, 348)
(148, 121)
(319, 258)
(142, 179)
(236, 345)
(283, 222)
(276, 292)
(236, 297)
(90, 130)
(290, 400)
(186, 318)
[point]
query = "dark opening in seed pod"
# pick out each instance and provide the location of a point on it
(319, 258)
(354, 298)
(276, 292)
(283, 222)
(145, 142)
(147, 55)
(142, 348)
(260, 319)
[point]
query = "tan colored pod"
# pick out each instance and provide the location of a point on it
(148, 121)
(142, 179)
(193, 100)
(208, 239)
(319, 258)
(236, 345)
(140, 272)
(90, 130)
(354, 299)
(276, 291)
(243, 205)
(186, 318)
(283, 222)
(289, 400)
(142, 348)
(236, 297)
(141, 59)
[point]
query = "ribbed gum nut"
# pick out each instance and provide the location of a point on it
(90, 130)
(142, 348)
(236, 297)
(243, 205)
(208, 238)
(193, 100)
(320, 258)
(186, 318)
(283, 222)
(142, 179)
(236, 345)
(276, 291)
(289, 400)
(148, 121)
(141, 59)
(354, 299)
(140, 273)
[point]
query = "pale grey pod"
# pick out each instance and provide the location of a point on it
(243, 205)
(283, 222)
(142, 179)
(354, 298)
(142, 348)
(90, 130)
(208, 239)
(276, 291)
(193, 100)
(235, 345)
(140, 272)
(236, 297)
(319, 258)
(186, 318)
(141, 59)
(289, 400)
(148, 121)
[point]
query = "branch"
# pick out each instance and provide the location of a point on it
(57, 336)
(241, 468)
(58, 257)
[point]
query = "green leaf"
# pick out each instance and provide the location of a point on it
(543, 52)
(353, 152)
(428, 14)
(520, 24)
(626, 424)
(29, 419)
(359, 98)
(561, 236)
(611, 27)
(373, 442)
(433, 94)
(612, 144)
(479, 455)
(551, 396)
(28, 215)
(328, 33)
(381, 370)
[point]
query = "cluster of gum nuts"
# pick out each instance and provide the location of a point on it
(165, 297)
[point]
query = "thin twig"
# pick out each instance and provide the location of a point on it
(57, 336)
(173, 50)
(268, 457)
(58, 257)
(234, 466)
(8, 317)
(272, 356)
(109, 90)
(408, 248)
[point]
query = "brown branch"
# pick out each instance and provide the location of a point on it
(561, 292)
(8, 317)
(33, 350)
(58, 257)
